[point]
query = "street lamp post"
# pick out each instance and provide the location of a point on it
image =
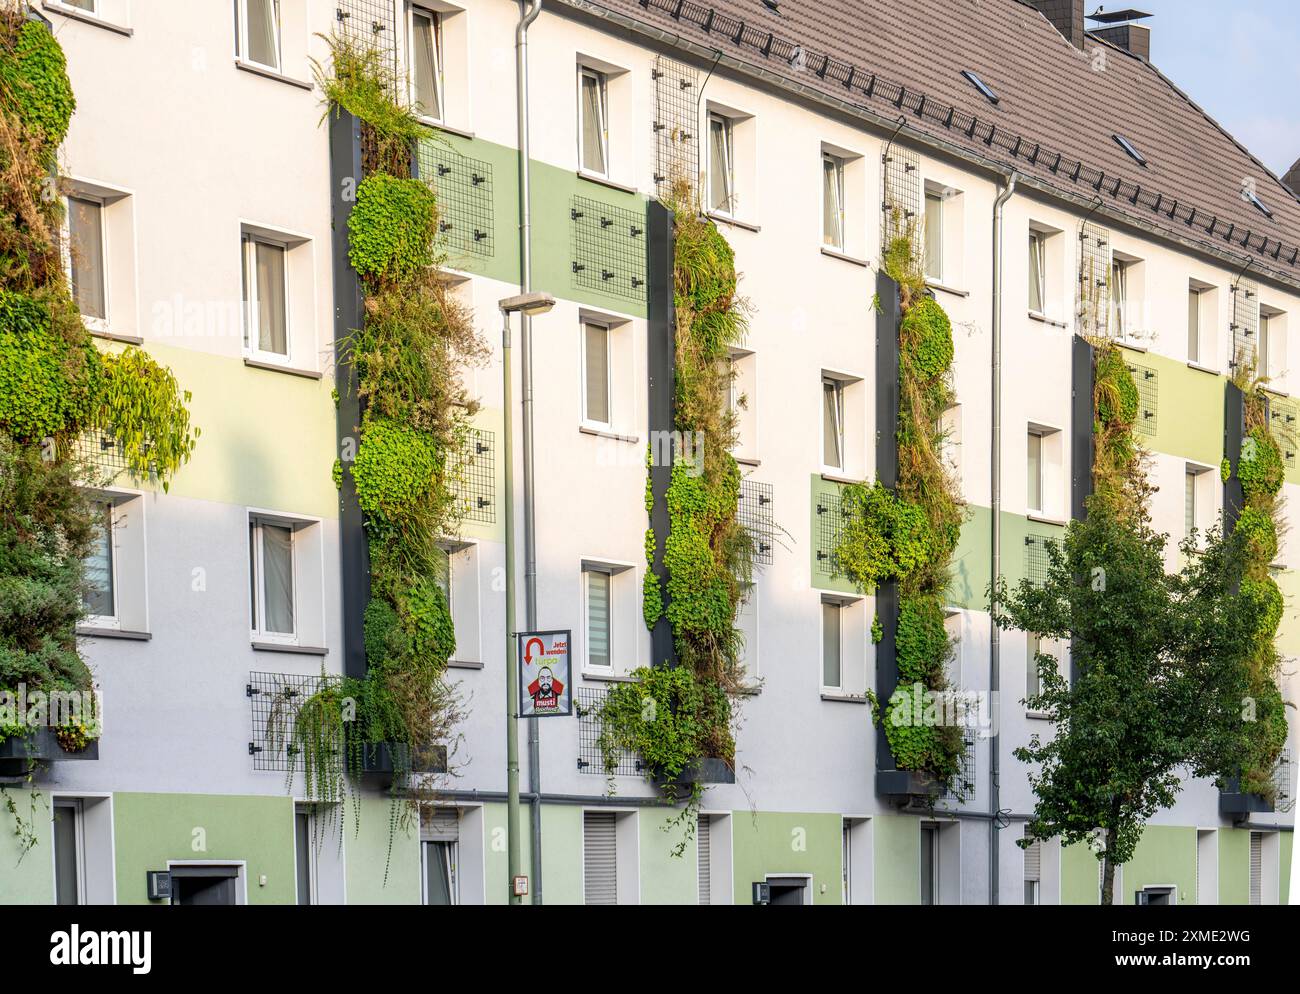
(529, 304)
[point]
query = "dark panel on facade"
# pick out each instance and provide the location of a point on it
(661, 347)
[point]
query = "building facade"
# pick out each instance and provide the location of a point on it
(200, 146)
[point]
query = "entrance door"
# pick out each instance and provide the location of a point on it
(204, 884)
(788, 890)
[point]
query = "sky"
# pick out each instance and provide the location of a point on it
(1239, 60)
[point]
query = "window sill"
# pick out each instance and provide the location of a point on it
(1202, 369)
(1038, 716)
(606, 677)
(751, 690)
(73, 14)
(844, 698)
(1275, 392)
(113, 633)
(605, 181)
(944, 288)
(843, 257)
(1044, 319)
(268, 73)
(111, 336)
(429, 122)
(1131, 346)
(275, 367)
(463, 664)
(733, 222)
(1043, 519)
(605, 433)
(290, 647)
(841, 478)
(748, 460)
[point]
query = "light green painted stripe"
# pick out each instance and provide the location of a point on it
(665, 878)
(819, 521)
(1166, 855)
(1234, 866)
(776, 843)
(1189, 415)
(382, 869)
(1080, 876)
(897, 845)
(973, 558)
(150, 829)
(27, 878)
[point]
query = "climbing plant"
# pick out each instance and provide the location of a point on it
(408, 355)
(907, 535)
(707, 552)
(56, 386)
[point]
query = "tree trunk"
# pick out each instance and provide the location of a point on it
(1108, 870)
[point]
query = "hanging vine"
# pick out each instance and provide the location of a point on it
(55, 387)
(908, 534)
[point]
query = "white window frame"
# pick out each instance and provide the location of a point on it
(413, 11)
(602, 87)
(930, 831)
(108, 620)
(587, 664)
(1038, 254)
(1264, 346)
(91, 322)
(821, 640)
(841, 219)
(1119, 279)
(840, 434)
(313, 870)
(257, 580)
(453, 869)
(1042, 475)
(935, 232)
(587, 419)
(77, 807)
(252, 329)
(1195, 305)
(729, 166)
(241, 16)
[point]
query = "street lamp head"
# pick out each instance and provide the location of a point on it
(531, 304)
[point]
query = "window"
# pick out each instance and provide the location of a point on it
(441, 886)
(1037, 271)
(1264, 358)
(747, 625)
(271, 553)
(599, 633)
(933, 236)
(741, 402)
(929, 863)
(1130, 149)
(426, 63)
(980, 85)
(832, 646)
(599, 857)
(266, 312)
(1189, 503)
(99, 598)
(593, 128)
(1034, 473)
(69, 853)
(1256, 868)
(722, 166)
(1033, 869)
(304, 840)
(1193, 324)
(1033, 684)
(86, 5)
(704, 859)
(596, 374)
(87, 253)
(832, 202)
(258, 32)
(832, 423)
(1119, 323)
(846, 862)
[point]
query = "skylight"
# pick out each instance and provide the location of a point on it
(1250, 197)
(1128, 147)
(980, 85)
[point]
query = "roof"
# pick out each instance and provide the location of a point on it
(1058, 114)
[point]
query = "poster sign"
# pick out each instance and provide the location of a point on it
(545, 674)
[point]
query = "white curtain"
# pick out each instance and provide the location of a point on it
(272, 331)
(593, 124)
(86, 234)
(832, 234)
(831, 421)
(427, 70)
(719, 165)
(277, 581)
(597, 357)
(263, 31)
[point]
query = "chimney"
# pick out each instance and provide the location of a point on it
(1121, 30)
(1066, 16)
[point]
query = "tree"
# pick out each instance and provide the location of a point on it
(1160, 677)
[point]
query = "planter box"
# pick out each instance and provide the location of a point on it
(17, 752)
(380, 762)
(1233, 802)
(701, 771)
(904, 786)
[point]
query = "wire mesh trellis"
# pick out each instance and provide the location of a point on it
(1245, 323)
(590, 758)
(754, 512)
(828, 530)
(1147, 382)
(1038, 558)
(1092, 300)
(466, 205)
(677, 144)
(964, 780)
(608, 246)
(368, 24)
(1283, 771)
(940, 118)
(274, 700)
(1282, 423)
(472, 470)
(101, 455)
(900, 201)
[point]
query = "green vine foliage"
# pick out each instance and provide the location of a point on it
(907, 535)
(389, 229)
(55, 386)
